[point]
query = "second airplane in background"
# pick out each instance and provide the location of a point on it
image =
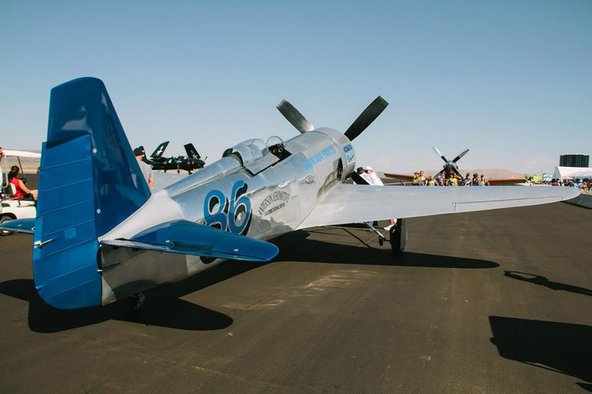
(189, 163)
(450, 169)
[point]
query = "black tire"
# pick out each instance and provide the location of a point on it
(5, 219)
(398, 237)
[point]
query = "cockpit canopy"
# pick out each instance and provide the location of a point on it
(248, 151)
(254, 154)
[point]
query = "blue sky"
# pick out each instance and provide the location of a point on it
(512, 80)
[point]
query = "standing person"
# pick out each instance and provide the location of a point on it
(467, 181)
(372, 178)
(483, 181)
(453, 181)
(439, 181)
(145, 168)
(22, 192)
(421, 179)
(1, 173)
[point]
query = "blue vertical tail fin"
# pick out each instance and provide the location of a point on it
(89, 182)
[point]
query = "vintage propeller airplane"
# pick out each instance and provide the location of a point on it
(448, 168)
(100, 235)
(188, 163)
(451, 167)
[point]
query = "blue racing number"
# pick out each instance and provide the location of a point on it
(232, 214)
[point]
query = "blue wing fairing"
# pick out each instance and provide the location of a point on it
(26, 226)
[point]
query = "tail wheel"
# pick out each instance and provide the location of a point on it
(398, 236)
(5, 219)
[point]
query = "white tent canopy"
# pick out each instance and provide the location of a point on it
(572, 172)
(22, 153)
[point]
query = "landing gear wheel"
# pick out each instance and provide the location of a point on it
(398, 236)
(140, 298)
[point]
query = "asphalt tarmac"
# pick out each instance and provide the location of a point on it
(497, 301)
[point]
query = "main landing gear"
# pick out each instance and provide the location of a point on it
(398, 236)
(381, 238)
(139, 298)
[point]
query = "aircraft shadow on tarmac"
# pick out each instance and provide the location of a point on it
(163, 306)
(561, 347)
(169, 312)
(297, 246)
(542, 281)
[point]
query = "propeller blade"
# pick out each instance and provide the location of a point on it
(439, 153)
(295, 117)
(366, 118)
(457, 158)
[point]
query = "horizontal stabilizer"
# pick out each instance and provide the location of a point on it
(185, 237)
(26, 226)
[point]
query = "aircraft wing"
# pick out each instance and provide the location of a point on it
(508, 181)
(404, 177)
(347, 203)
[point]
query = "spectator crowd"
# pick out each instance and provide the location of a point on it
(449, 179)
(583, 184)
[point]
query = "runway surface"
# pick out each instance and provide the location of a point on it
(497, 301)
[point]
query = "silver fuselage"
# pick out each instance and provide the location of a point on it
(251, 191)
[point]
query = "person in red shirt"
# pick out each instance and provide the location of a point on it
(22, 191)
(1, 174)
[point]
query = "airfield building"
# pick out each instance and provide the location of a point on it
(574, 160)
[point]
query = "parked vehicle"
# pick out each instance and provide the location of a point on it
(12, 208)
